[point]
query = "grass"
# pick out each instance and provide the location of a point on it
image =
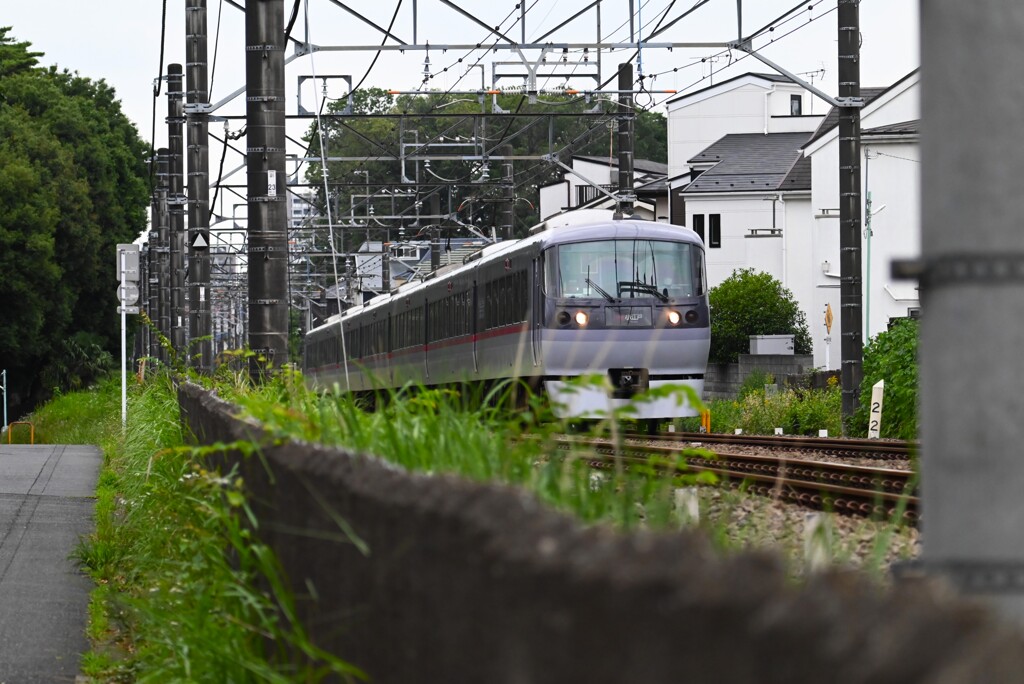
(757, 412)
(185, 592)
(433, 431)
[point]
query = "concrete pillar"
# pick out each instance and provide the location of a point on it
(972, 331)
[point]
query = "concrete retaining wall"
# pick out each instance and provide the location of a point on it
(724, 380)
(469, 582)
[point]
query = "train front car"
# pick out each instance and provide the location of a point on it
(626, 300)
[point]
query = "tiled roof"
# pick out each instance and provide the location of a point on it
(831, 119)
(753, 162)
(639, 165)
(902, 128)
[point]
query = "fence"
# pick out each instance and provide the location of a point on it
(458, 581)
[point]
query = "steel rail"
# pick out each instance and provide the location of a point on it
(851, 489)
(867, 448)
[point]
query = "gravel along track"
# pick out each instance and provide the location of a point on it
(808, 539)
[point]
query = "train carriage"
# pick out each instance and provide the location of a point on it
(584, 294)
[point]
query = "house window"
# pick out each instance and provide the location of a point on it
(714, 230)
(697, 223)
(796, 105)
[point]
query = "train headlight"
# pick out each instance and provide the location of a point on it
(691, 316)
(674, 318)
(564, 318)
(582, 318)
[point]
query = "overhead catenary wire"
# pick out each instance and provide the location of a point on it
(327, 204)
(157, 83)
(216, 48)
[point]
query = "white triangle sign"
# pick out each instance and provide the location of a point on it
(199, 241)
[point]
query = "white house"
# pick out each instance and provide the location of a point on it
(767, 198)
(890, 178)
(750, 202)
(580, 186)
(751, 103)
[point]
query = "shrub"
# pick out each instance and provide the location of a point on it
(797, 412)
(751, 303)
(891, 356)
(755, 382)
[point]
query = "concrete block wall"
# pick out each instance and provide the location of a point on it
(471, 582)
(724, 380)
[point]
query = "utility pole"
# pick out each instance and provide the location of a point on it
(268, 228)
(176, 201)
(625, 139)
(198, 97)
(143, 338)
(161, 221)
(508, 189)
(850, 289)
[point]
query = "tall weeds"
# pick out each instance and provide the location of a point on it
(185, 591)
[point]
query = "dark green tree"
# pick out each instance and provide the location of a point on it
(15, 57)
(753, 303)
(651, 137)
(72, 186)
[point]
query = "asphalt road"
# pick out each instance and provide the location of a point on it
(46, 505)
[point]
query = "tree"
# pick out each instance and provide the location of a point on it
(73, 184)
(467, 189)
(753, 303)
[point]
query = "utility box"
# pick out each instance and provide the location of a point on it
(771, 344)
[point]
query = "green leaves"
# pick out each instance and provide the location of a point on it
(892, 356)
(72, 185)
(753, 303)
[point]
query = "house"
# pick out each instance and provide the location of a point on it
(750, 103)
(890, 180)
(767, 198)
(582, 187)
(749, 201)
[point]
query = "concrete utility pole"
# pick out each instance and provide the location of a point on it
(972, 292)
(268, 215)
(198, 99)
(626, 116)
(507, 215)
(850, 289)
(176, 200)
(161, 221)
(140, 347)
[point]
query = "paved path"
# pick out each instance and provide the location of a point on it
(45, 506)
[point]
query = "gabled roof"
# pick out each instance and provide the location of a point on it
(902, 128)
(831, 120)
(774, 78)
(751, 162)
(641, 165)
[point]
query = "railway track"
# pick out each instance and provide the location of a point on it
(863, 448)
(840, 487)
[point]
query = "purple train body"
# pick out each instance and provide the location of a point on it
(584, 294)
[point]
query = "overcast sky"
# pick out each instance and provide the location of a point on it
(119, 41)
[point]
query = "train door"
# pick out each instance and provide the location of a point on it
(536, 303)
(389, 371)
(474, 324)
(426, 340)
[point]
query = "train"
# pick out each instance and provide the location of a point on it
(585, 294)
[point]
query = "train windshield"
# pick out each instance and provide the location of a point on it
(626, 269)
